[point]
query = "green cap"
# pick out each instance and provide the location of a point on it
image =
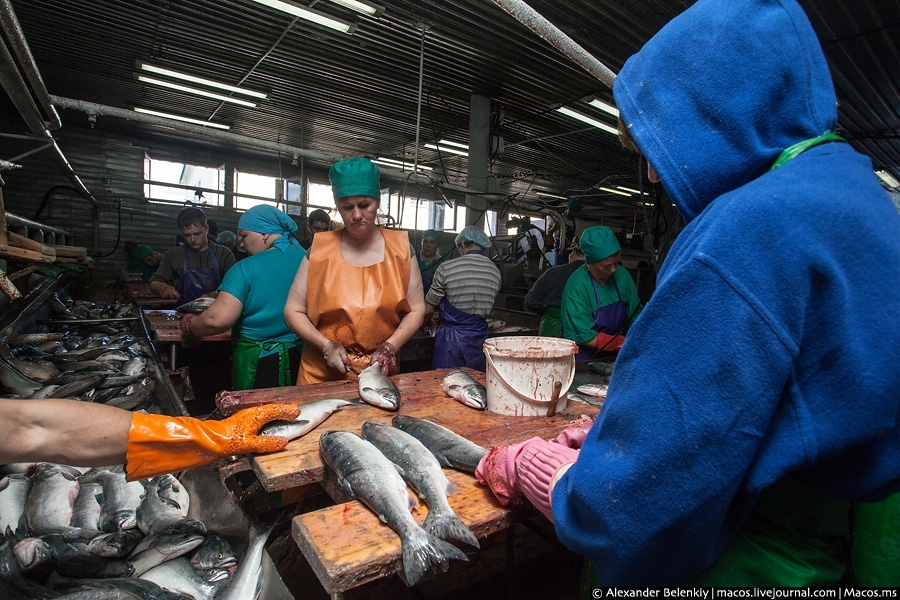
(598, 243)
(432, 234)
(355, 177)
(142, 252)
(573, 205)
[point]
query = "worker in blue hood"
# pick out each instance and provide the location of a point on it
(756, 395)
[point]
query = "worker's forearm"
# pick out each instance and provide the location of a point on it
(69, 432)
(302, 326)
(409, 324)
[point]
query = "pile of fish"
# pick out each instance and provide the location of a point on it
(73, 530)
(372, 468)
(95, 362)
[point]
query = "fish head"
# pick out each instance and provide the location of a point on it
(474, 396)
(381, 397)
(30, 553)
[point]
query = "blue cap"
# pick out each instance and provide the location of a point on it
(473, 235)
(355, 177)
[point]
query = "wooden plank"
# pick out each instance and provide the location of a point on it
(21, 241)
(70, 251)
(347, 545)
(16, 253)
(301, 463)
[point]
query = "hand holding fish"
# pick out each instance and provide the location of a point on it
(530, 468)
(336, 357)
(186, 323)
(573, 437)
(386, 356)
(158, 444)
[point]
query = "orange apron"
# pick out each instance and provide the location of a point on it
(359, 307)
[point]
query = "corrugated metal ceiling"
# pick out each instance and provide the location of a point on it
(343, 95)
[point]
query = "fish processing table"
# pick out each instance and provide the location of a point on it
(347, 545)
(165, 327)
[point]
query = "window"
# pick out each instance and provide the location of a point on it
(251, 190)
(187, 182)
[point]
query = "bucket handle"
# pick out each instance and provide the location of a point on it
(564, 389)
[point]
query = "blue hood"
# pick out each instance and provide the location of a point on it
(712, 125)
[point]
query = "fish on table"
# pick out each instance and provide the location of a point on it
(365, 473)
(195, 306)
(450, 448)
(378, 389)
(461, 387)
(312, 414)
(423, 472)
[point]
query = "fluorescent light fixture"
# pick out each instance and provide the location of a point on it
(373, 10)
(546, 195)
(586, 119)
(454, 144)
(607, 108)
(207, 82)
(396, 164)
(888, 179)
(625, 189)
(156, 113)
(309, 14)
(199, 92)
(443, 147)
(612, 191)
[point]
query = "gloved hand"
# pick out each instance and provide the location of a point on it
(158, 444)
(573, 437)
(608, 343)
(336, 357)
(528, 468)
(185, 323)
(386, 356)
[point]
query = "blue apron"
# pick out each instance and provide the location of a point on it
(609, 319)
(459, 341)
(193, 283)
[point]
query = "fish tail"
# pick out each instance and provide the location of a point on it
(421, 550)
(449, 525)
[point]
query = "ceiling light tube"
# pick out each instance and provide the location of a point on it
(612, 191)
(444, 148)
(208, 82)
(626, 189)
(585, 119)
(373, 10)
(156, 113)
(390, 162)
(607, 108)
(888, 179)
(546, 195)
(303, 12)
(454, 144)
(190, 90)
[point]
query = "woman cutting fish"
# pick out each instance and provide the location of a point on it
(266, 353)
(357, 297)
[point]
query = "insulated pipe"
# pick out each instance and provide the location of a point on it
(534, 21)
(16, 39)
(232, 138)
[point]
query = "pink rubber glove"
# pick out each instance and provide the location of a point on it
(608, 343)
(537, 466)
(497, 470)
(573, 437)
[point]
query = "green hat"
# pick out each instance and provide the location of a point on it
(598, 243)
(573, 205)
(433, 234)
(355, 177)
(142, 252)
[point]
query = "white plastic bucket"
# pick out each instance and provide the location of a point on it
(521, 372)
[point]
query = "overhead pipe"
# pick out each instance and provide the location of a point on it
(16, 39)
(555, 36)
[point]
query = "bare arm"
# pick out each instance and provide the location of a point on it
(68, 432)
(295, 309)
(411, 321)
(164, 290)
(221, 316)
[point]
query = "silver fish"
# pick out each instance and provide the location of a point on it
(33, 557)
(36, 370)
(47, 391)
(15, 382)
(422, 471)
(462, 387)
(79, 386)
(312, 415)
(86, 511)
(593, 389)
(156, 514)
(451, 449)
(159, 547)
(72, 559)
(135, 366)
(214, 553)
(377, 389)
(119, 501)
(115, 356)
(133, 400)
(14, 490)
(51, 501)
(363, 471)
(116, 544)
(169, 488)
(247, 580)
(196, 306)
(178, 575)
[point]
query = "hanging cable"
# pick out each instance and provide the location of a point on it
(640, 178)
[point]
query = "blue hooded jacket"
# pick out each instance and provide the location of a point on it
(768, 346)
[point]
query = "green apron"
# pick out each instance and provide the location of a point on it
(551, 322)
(876, 543)
(245, 358)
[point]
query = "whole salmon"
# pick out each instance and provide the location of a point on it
(461, 387)
(377, 389)
(451, 449)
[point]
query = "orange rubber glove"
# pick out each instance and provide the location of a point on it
(158, 444)
(608, 343)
